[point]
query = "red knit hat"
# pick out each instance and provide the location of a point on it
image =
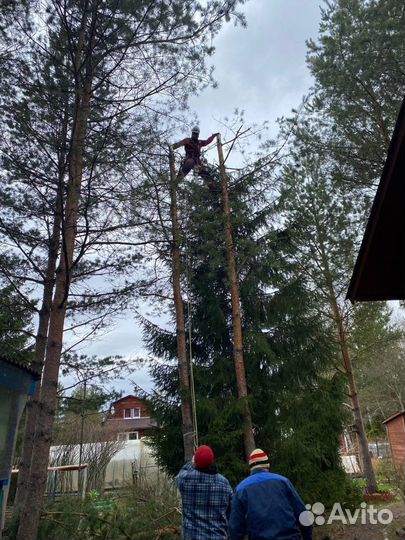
(204, 457)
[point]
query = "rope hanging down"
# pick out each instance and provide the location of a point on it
(190, 343)
(196, 172)
(189, 415)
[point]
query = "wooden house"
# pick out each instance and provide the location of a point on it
(129, 419)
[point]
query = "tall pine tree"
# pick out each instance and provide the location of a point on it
(93, 69)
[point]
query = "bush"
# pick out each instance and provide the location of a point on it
(140, 512)
(389, 483)
(389, 478)
(331, 487)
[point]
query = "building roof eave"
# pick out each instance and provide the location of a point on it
(379, 272)
(393, 416)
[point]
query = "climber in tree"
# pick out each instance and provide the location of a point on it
(192, 159)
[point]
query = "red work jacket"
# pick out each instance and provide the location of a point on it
(193, 148)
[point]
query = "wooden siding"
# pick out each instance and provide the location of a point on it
(129, 402)
(117, 423)
(396, 436)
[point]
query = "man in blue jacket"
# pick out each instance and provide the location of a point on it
(266, 506)
(206, 498)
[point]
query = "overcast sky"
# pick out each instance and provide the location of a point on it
(260, 69)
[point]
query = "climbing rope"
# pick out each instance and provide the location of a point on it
(192, 386)
(185, 211)
(190, 344)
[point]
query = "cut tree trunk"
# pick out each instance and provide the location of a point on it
(240, 371)
(184, 376)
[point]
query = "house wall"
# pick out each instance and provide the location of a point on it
(117, 423)
(396, 436)
(141, 432)
(129, 403)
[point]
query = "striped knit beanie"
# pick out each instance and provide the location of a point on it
(258, 460)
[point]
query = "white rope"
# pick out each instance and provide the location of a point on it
(190, 344)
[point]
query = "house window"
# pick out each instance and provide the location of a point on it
(128, 436)
(132, 413)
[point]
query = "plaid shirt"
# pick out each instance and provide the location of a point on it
(206, 502)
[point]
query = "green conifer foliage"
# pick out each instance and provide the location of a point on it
(358, 62)
(15, 322)
(294, 396)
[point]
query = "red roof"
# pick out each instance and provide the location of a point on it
(130, 396)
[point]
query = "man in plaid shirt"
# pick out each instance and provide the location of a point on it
(206, 498)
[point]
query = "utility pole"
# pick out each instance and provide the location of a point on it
(186, 407)
(248, 437)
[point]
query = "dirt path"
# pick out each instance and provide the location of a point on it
(366, 531)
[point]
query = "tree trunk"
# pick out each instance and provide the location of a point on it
(30, 515)
(186, 408)
(240, 372)
(40, 347)
(32, 408)
(365, 457)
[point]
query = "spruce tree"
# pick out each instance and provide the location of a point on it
(294, 396)
(15, 327)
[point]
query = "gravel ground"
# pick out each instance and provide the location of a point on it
(393, 531)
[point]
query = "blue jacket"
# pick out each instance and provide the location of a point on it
(266, 506)
(206, 503)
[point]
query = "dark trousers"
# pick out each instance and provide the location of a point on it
(190, 164)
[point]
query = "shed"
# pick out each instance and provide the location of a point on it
(395, 426)
(17, 382)
(379, 273)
